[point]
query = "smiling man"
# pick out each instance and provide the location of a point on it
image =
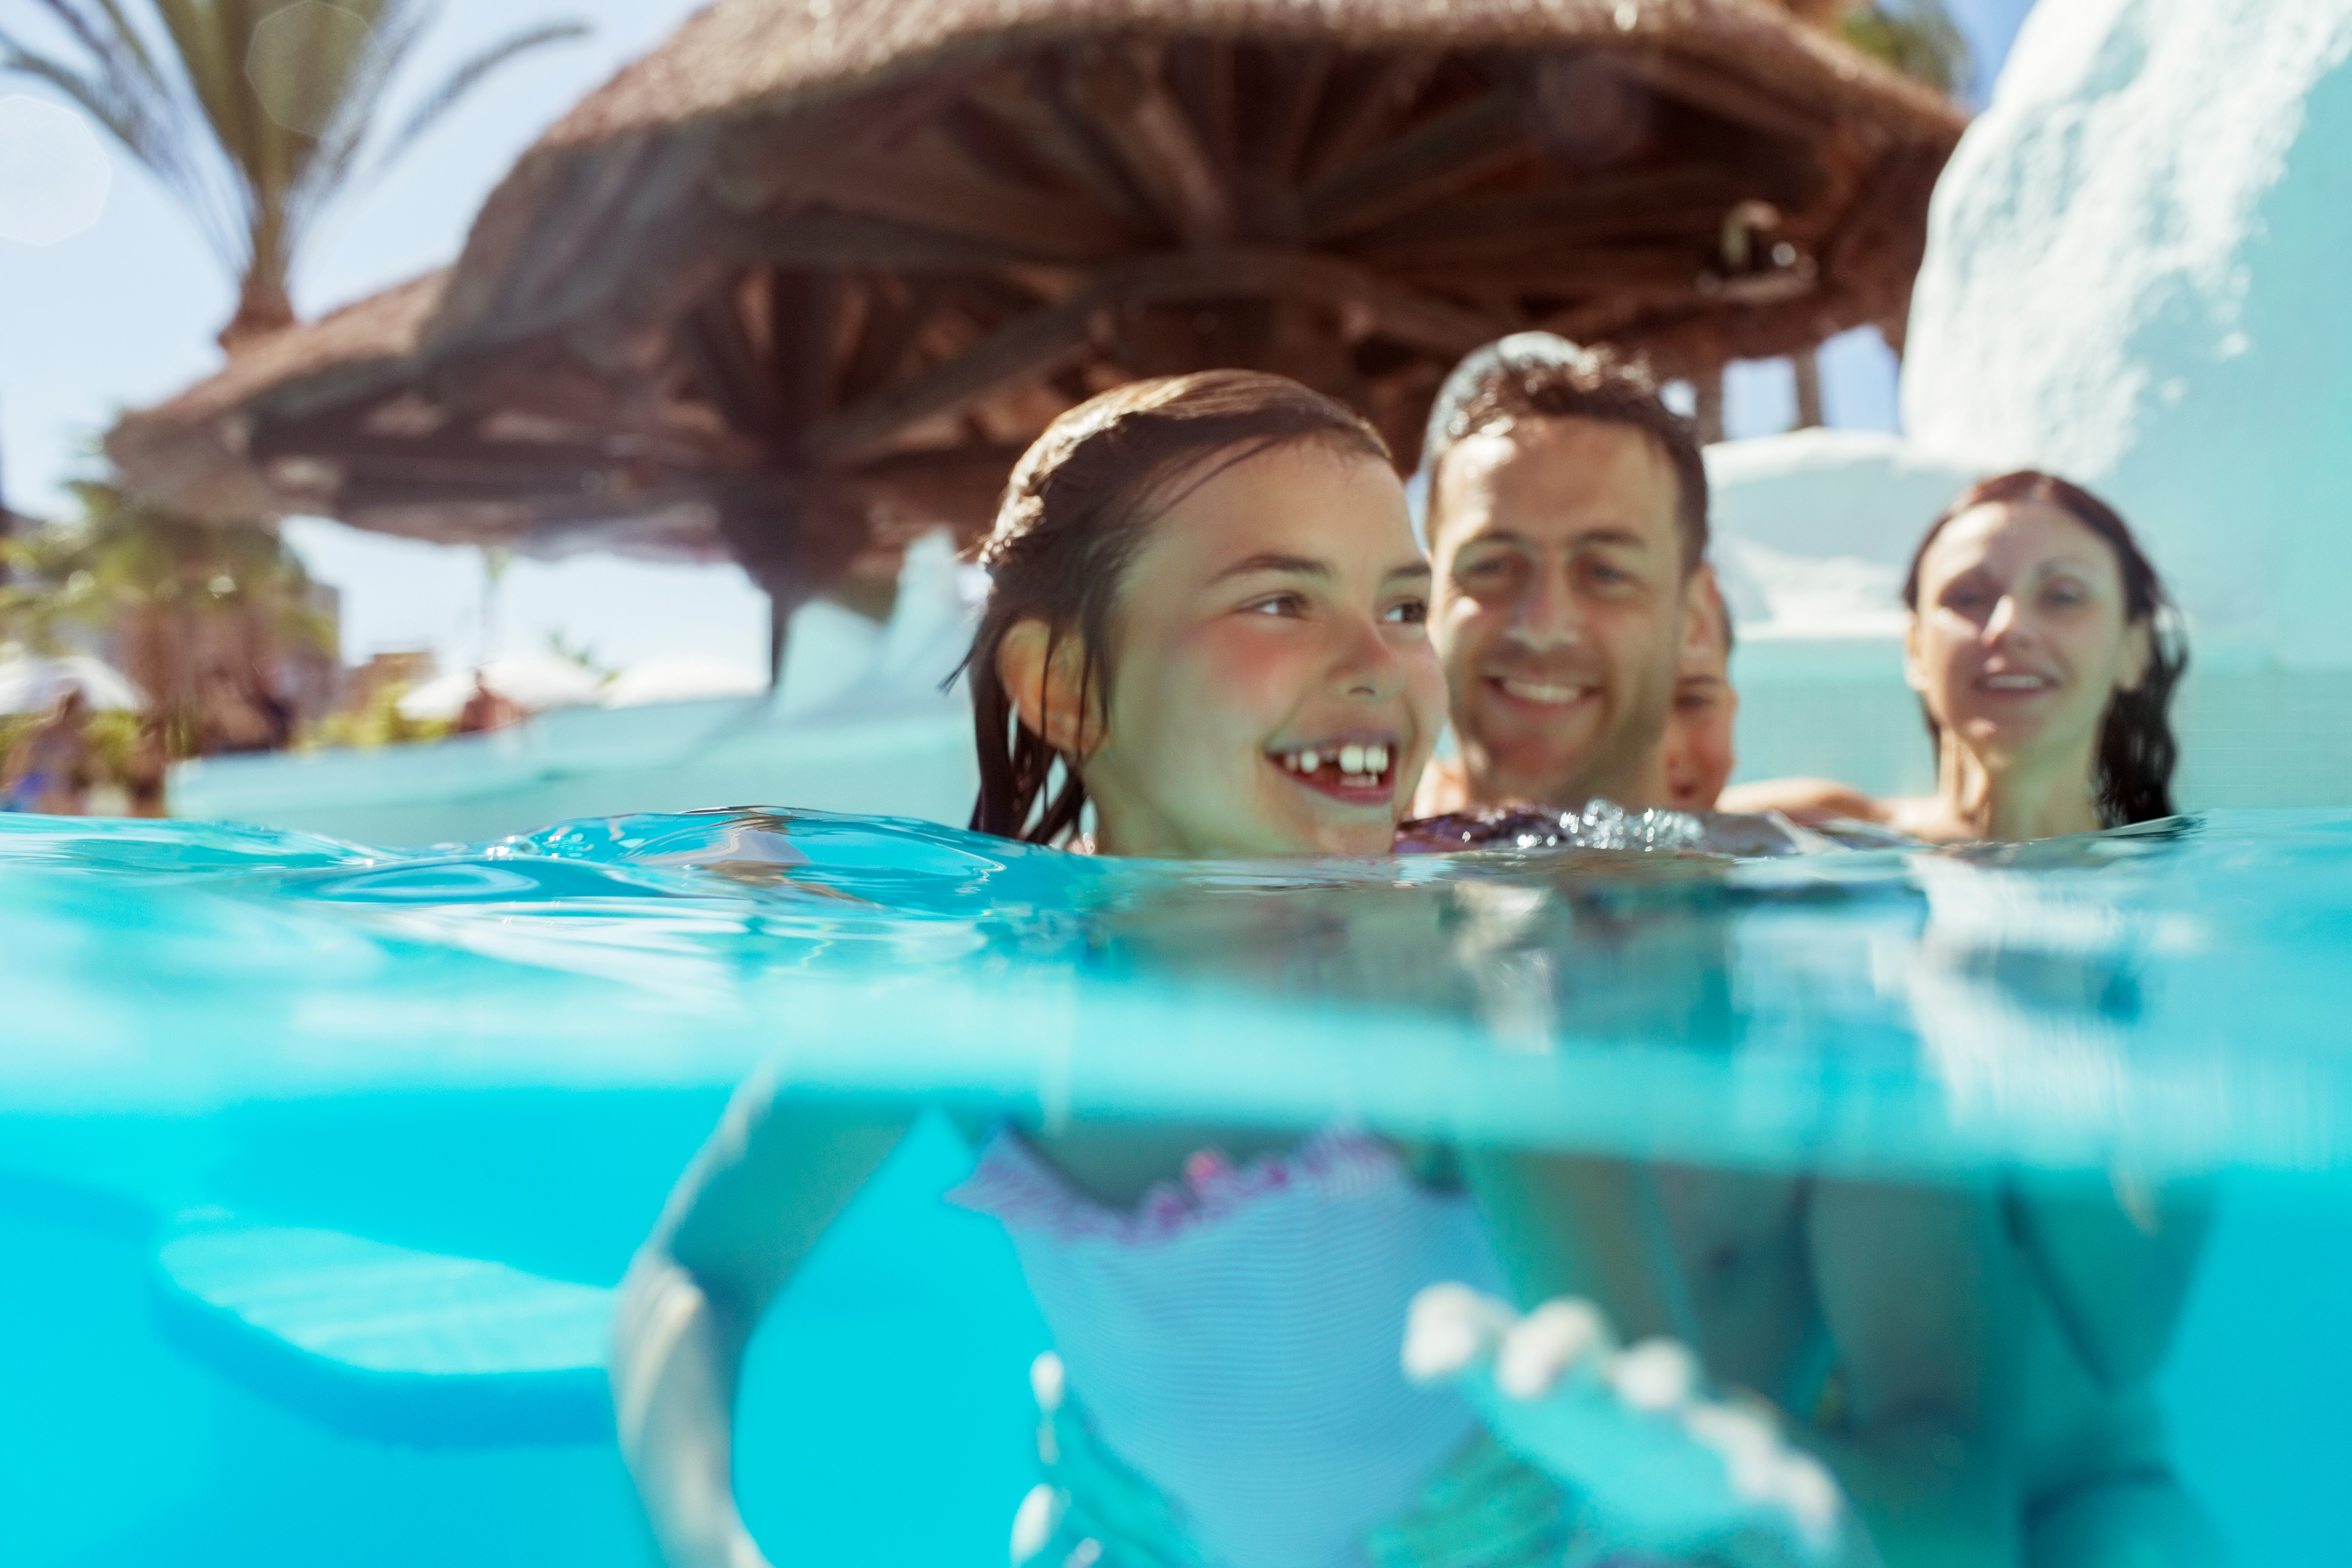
(1567, 518)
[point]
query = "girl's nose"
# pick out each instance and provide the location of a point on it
(1366, 666)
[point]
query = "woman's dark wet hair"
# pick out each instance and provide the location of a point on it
(1077, 510)
(2137, 751)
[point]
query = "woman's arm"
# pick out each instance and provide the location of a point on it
(764, 1188)
(1807, 801)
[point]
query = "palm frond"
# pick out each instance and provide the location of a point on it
(1917, 38)
(394, 30)
(458, 83)
(255, 141)
(143, 114)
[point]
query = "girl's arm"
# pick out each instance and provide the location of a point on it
(753, 1202)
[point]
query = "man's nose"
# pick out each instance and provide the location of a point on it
(1546, 616)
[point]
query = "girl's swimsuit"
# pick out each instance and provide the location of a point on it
(1232, 1346)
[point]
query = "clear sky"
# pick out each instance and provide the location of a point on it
(122, 313)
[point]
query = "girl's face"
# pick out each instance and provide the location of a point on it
(1273, 687)
(2022, 636)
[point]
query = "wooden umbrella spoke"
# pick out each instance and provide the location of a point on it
(1123, 92)
(1440, 158)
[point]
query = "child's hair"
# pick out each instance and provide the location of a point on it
(1072, 516)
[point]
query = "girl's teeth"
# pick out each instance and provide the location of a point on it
(1359, 765)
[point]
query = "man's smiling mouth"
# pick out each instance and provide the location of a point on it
(1542, 693)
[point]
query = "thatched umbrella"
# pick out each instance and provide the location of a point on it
(806, 278)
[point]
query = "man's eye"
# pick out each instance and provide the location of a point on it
(1408, 612)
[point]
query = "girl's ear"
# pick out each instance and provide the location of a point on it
(1914, 674)
(2139, 651)
(1043, 674)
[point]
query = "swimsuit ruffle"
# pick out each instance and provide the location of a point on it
(1014, 1183)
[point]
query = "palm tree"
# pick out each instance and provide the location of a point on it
(254, 113)
(1917, 38)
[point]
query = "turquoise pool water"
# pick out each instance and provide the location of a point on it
(316, 1162)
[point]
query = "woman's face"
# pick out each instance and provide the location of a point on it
(1273, 687)
(2022, 636)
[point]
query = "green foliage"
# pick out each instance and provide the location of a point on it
(254, 113)
(377, 721)
(121, 557)
(1917, 38)
(582, 653)
(163, 587)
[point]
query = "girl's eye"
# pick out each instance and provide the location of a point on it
(1276, 605)
(1408, 612)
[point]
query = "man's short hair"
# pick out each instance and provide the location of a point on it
(1540, 375)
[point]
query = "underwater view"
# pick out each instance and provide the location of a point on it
(318, 1165)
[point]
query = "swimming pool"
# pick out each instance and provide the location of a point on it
(315, 1163)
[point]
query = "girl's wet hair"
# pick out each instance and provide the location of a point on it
(2137, 751)
(1075, 512)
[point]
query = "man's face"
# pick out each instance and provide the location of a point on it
(1559, 609)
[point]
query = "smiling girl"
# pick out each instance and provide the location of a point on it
(1205, 624)
(1206, 592)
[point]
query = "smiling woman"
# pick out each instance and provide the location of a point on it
(2042, 648)
(1208, 613)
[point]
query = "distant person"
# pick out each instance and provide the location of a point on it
(1700, 731)
(52, 766)
(145, 768)
(2040, 646)
(1567, 522)
(486, 710)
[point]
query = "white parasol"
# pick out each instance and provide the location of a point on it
(33, 685)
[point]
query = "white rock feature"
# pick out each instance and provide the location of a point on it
(2134, 276)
